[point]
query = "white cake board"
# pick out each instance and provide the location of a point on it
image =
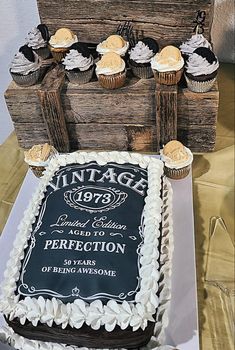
(182, 330)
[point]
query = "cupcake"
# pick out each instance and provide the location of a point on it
(60, 43)
(201, 70)
(177, 160)
(25, 67)
(110, 71)
(38, 38)
(79, 64)
(196, 40)
(38, 158)
(168, 66)
(140, 57)
(114, 43)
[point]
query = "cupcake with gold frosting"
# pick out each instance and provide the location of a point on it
(60, 43)
(111, 71)
(114, 43)
(168, 65)
(177, 159)
(38, 157)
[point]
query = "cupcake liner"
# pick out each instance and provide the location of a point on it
(43, 52)
(37, 170)
(177, 174)
(111, 82)
(80, 77)
(200, 86)
(144, 72)
(168, 78)
(26, 80)
(59, 53)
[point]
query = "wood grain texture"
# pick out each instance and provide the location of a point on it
(130, 124)
(52, 110)
(166, 112)
(166, 21)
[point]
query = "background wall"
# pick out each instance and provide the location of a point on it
(18, 16)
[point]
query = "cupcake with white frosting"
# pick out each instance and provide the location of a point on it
(140, 57)
(177, 160)
(38, 38)
(61, 42)
(114, 43)
(79, 64)
(111, 71)
(38, 157)
(168, 65)
(201, 70)
(190, 45)
(25, 67)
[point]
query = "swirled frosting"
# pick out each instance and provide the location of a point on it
(114, 43)
(110, 63)
(21, 65)
(40, 155)
(169, 59)
(75, 59)
(198, 65)
(63, 37)
(141, 53)
(197, 40)
(34, 39)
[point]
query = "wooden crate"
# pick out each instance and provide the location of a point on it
(141, 116)
(127, 119)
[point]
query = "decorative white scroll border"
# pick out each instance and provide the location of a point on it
(122, 314)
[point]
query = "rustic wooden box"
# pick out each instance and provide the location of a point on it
(138, 117)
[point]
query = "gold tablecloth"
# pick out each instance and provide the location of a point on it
(213, 184)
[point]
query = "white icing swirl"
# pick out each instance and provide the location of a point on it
(198, 65)
(21, 65)
(110, 70)
(197, 40)
(75, 59)
(34, 39)
(120, 51)
(79, 312)
(174, 66)
(141, 53)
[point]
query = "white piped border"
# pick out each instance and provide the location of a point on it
(95, 314)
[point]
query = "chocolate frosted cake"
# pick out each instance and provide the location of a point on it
(90, 264)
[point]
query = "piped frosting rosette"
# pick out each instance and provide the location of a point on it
(196, 40)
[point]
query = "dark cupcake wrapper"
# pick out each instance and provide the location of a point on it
(177, 174)
(26, 80)
(143, 72)
(80, 77)
(59, 53)
(37, 170)
(111, 82)
(43, 52)
(168, 78)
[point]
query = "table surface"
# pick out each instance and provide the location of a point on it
(182, 330)
(213, 187)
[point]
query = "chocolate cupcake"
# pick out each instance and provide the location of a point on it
(168, 66)
(61, 42)
(25, 67)
(38, 158)
(177, 160)
(201, 70)
(79, 64)
(37, 39)
(111, 71)
(140, 57)
(114, 43)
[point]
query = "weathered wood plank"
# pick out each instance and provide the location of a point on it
(52, 110)
(166, 21)
(166, 112)
(198, 138)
